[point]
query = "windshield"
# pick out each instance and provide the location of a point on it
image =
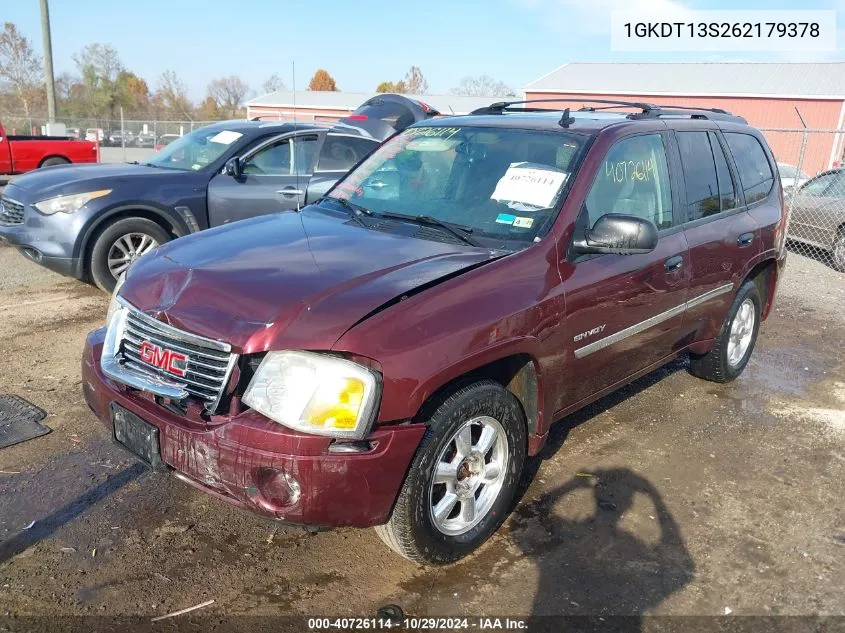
(503, 184)
(788, 171)
(195, 150)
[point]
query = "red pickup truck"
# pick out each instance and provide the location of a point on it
(25, 153)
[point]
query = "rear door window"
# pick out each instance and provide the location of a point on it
(755, 172)
(342, 153)
(727, 193)
(634, 180)
(699, 166)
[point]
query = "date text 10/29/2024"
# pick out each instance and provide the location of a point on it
(418, 624)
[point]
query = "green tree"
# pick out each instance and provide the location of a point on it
(101, 68)
(391, 86)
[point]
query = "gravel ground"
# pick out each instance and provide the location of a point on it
(700, 499)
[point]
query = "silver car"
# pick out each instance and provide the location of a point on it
(818, 215)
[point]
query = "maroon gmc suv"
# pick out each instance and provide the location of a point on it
(392, 354)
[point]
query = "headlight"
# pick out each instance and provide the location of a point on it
(315, 393)
(69, 204)
(113, 304)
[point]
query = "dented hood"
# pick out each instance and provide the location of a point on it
(287, 280)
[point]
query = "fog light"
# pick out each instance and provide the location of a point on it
(274, 489)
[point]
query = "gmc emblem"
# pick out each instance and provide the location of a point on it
(163, 358)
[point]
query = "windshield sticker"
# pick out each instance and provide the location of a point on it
(433, 132)
(530, 186)
(523, 223)
(226, 137)
(504, 218)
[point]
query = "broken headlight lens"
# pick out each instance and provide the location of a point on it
(315, 393)
(69, 204)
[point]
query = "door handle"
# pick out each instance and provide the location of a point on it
(290, 191)
(673, 263)
(745, 239)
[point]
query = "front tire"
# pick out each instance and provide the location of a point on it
(735, 342)
(463, 478)
(118, 245)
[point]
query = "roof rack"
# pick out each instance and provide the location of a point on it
(501, 107)
(646, 110)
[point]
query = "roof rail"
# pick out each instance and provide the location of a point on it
(501, 107)
(646, 110)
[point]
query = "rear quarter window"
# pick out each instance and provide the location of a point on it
(755, 172)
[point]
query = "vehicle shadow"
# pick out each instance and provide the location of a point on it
(46, 526)
(589, 564)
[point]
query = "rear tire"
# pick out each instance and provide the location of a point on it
(735, 342)
(463, 477)
(55, 160)
(124, 240)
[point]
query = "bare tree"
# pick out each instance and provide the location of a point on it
(322, 81)
(228, 93)
(20, 66)
(483, 86)
(174, 95)
(274, 83)
(414, 81)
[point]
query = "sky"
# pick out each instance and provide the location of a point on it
(360, 42)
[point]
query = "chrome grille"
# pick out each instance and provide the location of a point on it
(209, 362)
(11, 211)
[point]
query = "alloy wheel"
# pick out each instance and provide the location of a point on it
(469, 475)
(126, 249)
(742, 331)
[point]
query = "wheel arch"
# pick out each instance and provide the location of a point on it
(170, 222)
(765, 275)
(46, 158)
(516, 372)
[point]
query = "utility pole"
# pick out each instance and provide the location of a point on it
(48, 62)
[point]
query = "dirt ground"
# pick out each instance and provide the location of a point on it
(674, 496)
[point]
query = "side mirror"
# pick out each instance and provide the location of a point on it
(619, 235)
(233, 167)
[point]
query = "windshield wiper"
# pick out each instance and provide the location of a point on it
(458, 230)
(355, 211)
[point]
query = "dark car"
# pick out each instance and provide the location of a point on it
(391, 355)
(145, 140)
(817, 215)
(91, 223)
(118, 138)
(165, 140)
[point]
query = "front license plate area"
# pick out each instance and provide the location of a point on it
(137, 436)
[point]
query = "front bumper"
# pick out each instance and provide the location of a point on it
(246, 459)
(48, 240)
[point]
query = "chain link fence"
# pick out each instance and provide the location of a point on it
(111, 132)
(813, 183)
